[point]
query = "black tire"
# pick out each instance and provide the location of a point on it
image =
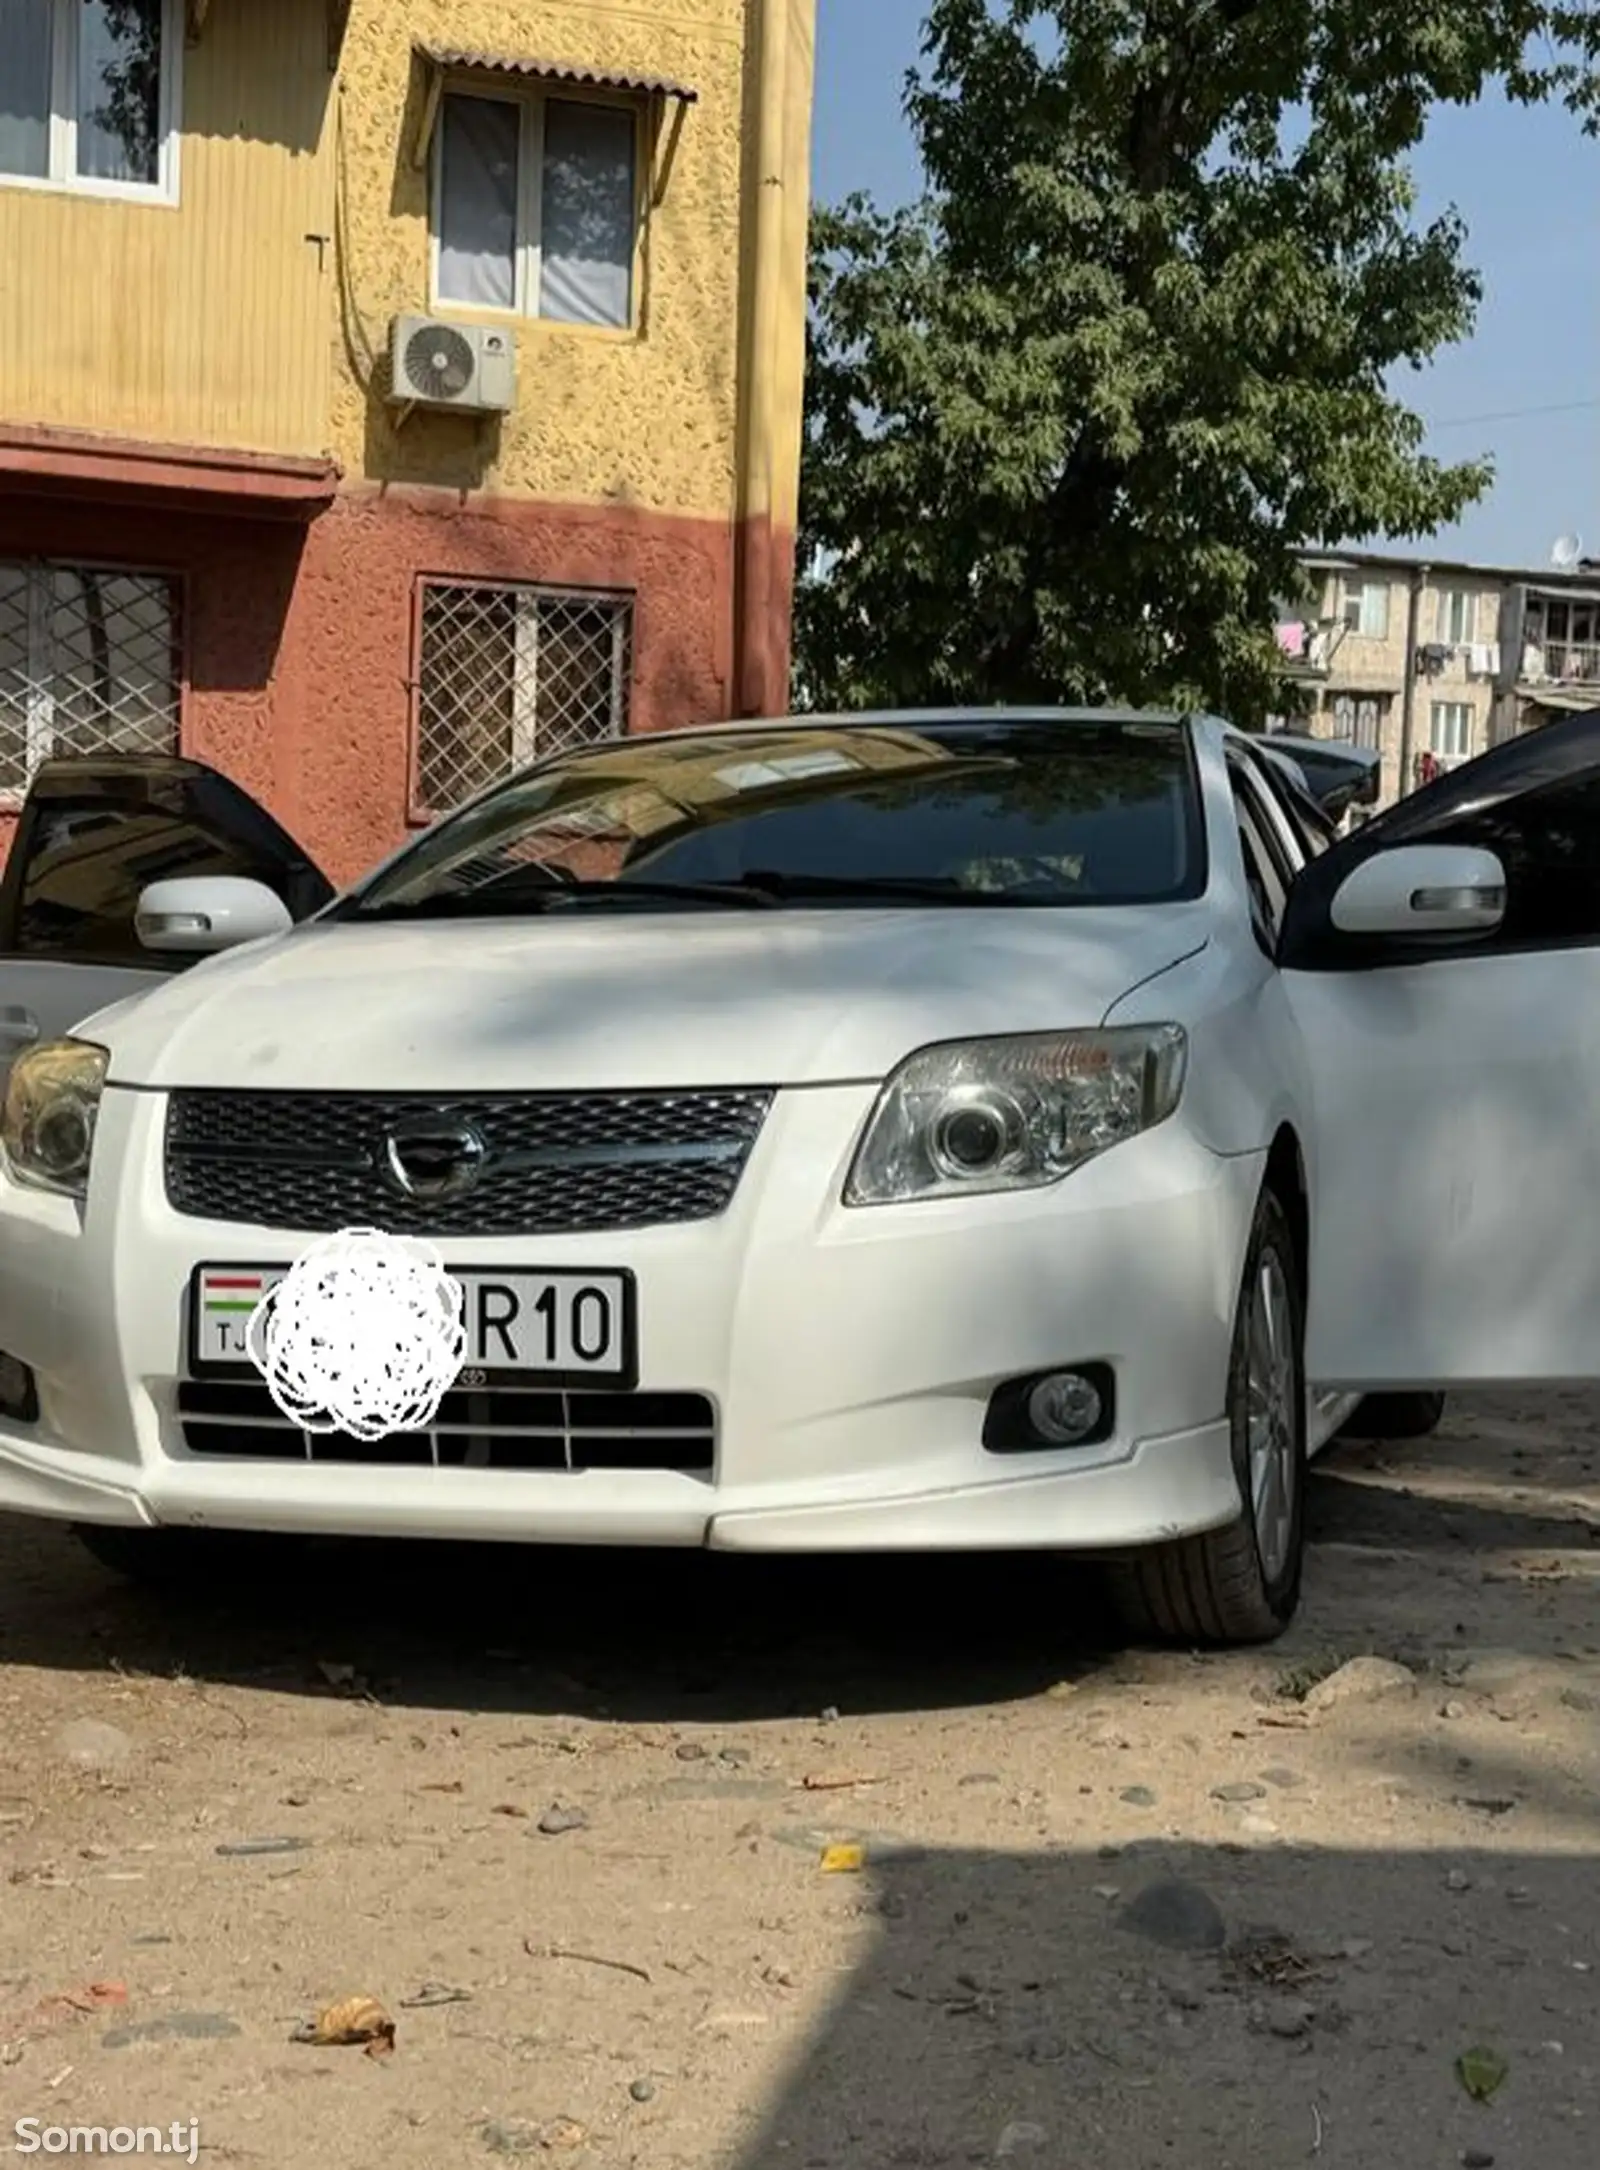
(1394, 1416)
(1214, 1588)
(198, 1562)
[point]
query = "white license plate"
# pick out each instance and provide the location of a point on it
(554, 1329)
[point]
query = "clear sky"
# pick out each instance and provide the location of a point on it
(1528, 186)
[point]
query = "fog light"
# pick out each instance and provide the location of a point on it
(1052, 1409)
(19, 1397)
(1065, 1408)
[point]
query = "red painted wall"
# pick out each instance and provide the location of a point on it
(298, 640)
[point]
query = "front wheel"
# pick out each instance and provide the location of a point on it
(1241, 1584)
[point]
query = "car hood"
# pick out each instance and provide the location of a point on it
(759, 998)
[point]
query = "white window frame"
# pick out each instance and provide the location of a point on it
(63, 178)
(528, 243)
(1457, 603)
(1356, 592)
(1445, 716)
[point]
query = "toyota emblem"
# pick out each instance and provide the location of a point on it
(434, 1159)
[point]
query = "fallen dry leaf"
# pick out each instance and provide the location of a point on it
(350, 2021)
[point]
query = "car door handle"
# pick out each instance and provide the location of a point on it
(18, 1024)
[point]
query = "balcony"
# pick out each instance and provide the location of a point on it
(1561, 663)
(1309, 648)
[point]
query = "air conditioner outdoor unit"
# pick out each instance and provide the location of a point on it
(471, 367)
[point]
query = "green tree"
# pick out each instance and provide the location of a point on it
(1071, 415)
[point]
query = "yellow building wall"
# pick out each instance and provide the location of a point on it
(647, 417)
(204, 323)
(255, 313)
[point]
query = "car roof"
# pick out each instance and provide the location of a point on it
(900, 718)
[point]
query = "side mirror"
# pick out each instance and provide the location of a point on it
(1423, 889)
(204, 913)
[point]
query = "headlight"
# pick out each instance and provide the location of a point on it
(1013, 1114)
(52, 1099)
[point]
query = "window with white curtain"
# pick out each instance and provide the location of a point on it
(536, 207)
(1457, 618)
(1452, 729)
(89, 95)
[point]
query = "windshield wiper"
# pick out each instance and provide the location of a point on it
(926, 889)
(544, 889)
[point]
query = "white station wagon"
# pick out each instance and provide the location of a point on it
(950, 1130)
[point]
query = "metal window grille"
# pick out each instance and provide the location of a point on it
(509, 674)
(88, 665)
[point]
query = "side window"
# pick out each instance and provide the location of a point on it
(81, 858)
(1267, 870)
(84, 869)
(1549, 844)
(1305, 821)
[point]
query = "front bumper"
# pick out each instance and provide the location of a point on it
(850, 1356)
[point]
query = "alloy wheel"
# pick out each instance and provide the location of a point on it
(1272, 1413)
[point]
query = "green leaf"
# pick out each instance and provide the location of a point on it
(1482, 2072)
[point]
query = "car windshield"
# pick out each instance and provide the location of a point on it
(1052, 812)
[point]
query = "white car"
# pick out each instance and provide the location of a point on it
(949, 1130)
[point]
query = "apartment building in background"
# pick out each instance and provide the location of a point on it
(392, 391)
(1485, 651)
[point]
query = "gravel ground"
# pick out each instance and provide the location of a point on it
(565, 1819)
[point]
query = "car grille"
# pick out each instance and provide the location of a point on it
(504, 1428)
(552, 1162)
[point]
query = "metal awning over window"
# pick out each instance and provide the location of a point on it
(441, 61)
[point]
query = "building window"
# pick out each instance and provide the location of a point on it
(89, 95)
(507, 675)
(1360, 717)
(536, 207)
(89, 664)
(1366, 608)
(1457, 617)
(1452, 730)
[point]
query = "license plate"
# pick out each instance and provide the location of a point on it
(551, 1329)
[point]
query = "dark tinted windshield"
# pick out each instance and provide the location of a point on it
(1050, 812)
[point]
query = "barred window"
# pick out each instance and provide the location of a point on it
(508, 674)
(88, 665)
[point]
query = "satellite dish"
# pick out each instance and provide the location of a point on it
(1565, 552)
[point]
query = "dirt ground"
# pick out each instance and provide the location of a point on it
(1111, 1910)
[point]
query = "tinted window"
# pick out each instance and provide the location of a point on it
(1266, 871)
(1549, 844)
(79, 865)
(1308, 824)
(1049, 813)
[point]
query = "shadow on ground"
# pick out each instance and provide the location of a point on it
(1224, 2010)
(692, 1636)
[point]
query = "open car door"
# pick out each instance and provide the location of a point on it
(93, 832)
(1452, 1033)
